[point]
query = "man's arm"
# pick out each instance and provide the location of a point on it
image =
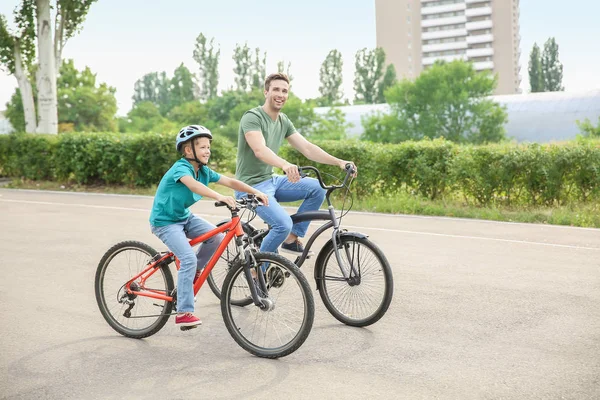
(256, 141)
(314, 152)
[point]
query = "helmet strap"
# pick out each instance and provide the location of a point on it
(195, 156)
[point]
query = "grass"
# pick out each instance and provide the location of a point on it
(583, 215)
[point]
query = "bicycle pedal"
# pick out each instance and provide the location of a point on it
(187, 328)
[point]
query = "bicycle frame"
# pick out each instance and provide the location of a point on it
(235, 230)
(328, 215)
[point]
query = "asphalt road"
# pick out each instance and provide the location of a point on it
(481, 310)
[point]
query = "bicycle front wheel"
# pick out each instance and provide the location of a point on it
(284, 324)
(134, 316)
(364, 298)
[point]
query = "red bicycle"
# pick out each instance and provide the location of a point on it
(136, 293)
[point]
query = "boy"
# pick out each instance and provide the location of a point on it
(184, 184)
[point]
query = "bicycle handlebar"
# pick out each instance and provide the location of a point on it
(349, 172)
(250, 202)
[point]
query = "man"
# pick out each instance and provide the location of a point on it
(261, 133)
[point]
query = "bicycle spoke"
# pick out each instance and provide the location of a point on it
(284, 324)
(145, 315)
(365, 295)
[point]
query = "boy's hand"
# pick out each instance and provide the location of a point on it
(227, 200)
(263, 197)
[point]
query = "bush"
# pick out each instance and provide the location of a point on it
(111, 158)
(523, 175)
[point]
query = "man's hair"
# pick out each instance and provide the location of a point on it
(274, 77)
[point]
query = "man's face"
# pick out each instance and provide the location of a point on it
(277, 94)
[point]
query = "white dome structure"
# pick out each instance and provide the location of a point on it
(533, 117)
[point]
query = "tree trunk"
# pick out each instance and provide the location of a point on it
(46, 74)
(59, 31)
(26, 92)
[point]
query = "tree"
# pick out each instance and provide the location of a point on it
(243, 67)
(330, 76)
(447, 100)
(259, 69)
(369, 72)
(82, 104)
(164, 92)
(14, 112)
(330, 126)
(281, 68)
(18, 53)
(189, 113)
(588, 129)
(208, 60)
(389, 80)
(146, 117)
(536, 79)
(552, 68)
(182, 87)
(153, 87)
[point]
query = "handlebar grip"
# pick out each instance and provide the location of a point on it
(220, 204)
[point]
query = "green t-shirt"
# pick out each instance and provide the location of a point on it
(250, 169)
(173, 198)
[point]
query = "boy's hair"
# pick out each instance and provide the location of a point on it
(274, 77)
(183, 146)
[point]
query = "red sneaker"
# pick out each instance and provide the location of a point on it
(187, 320)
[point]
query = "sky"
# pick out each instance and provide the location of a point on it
(122, 40)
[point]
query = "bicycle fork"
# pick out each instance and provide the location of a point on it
(255, 284)
(353, 277)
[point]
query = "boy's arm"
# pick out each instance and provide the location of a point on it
(242, 187)
(205, 191)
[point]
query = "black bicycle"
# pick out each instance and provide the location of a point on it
(352, 275)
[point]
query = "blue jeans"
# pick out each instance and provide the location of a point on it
(279, 189)
(176, 236)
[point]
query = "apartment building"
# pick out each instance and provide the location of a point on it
(416, 33)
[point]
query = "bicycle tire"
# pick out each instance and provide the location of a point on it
(113, 310)
(217, 275)
(350, 310)
(285, 301)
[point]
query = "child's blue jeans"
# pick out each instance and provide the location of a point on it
(176, 237)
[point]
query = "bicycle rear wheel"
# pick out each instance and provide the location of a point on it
(280, 328)
(364, 299)
(132, 315)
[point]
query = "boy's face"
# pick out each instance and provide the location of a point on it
(277, 94)
(202, 146)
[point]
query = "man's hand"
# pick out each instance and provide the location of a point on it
(342, 164)
(227, 200)
(263, 197)
(292, 172)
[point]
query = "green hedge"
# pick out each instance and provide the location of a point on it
(524, 174)
(112, 158)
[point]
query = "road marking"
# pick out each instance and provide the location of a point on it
(475, 220)
(319, 224)
(568, 246)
